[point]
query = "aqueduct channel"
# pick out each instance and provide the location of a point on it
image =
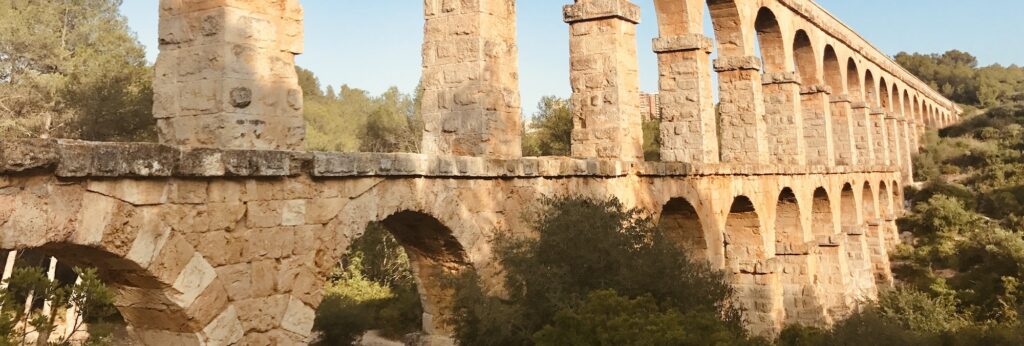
(224, 232)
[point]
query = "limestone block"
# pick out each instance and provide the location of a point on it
(601, 9)
(298, 317)
(161, 337)
(193, 280)
(263, 314)
(132, 191)
(687, 42)
(226, 329)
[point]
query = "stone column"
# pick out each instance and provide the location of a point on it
(226, 77)
(604, 79)
(862, 283)
(842, 127)
(818, 125)
(784, 119)
(689, 131)
(471, 104)
(741, 109)
(895, 137)
(801, 299)
(909, 143)
(72, 318)
(863, 133)
(833, 276)
(881, 136)
(879, 251)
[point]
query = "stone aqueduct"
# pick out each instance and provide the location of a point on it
(224, 232)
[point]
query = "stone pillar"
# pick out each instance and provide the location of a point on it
(801, 299)
(8, 268)
(881, 136)
(895, 137)
(784, 119)
(604, 79)
(833, 276)
(818, 125)
(72, 318)
(842, 127)
(689, 131)
(879, 250)
(226, 77)
(909, 143)
(862, 283)
(863, 134)
(741, 109)
(471, 104)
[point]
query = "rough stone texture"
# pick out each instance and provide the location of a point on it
(225, 76)
(604, 79)
(741, 110)
(225, 232)
(471, 103)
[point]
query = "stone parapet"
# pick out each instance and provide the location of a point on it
(78, 159)
(601, 9)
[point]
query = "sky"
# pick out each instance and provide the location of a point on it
(375, 44)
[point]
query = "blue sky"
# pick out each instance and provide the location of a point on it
(376, 44)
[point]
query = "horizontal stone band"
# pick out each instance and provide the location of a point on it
(780, 78)
(815, 89)
(683, 43)
(737, 63)
(602, 9)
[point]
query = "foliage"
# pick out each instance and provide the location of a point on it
(549, 132)
(91, 297)
(373, 289)
(72, 69)
(607, 318)
(553, 274)
(956, 75)
(351, 120)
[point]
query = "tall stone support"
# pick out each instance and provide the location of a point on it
(833, 276)
(689, 131)
(801, 300)
(881, 136)
(784, 119)
(818, 125)
(862, 283)
(471, 104)
(908, 145)
(760, 291)
(225, 76)
(604, 78)
(895, 138)
(842, 126)
(881, 267)
(744, 131)
(863, 134)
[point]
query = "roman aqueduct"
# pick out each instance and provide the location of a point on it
(223, 233)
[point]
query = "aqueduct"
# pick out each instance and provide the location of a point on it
(223, 233)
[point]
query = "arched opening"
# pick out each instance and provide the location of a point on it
(906, 106)
(853, 80)
(794, 257)
(769, 38)
(680, 221)
(857, 251)
(884, 202)
(393, 281)
(745, 255)
(884, 97)
(803, 54)
(871, 90)
(832, 276)
(876, 240)
(729, 32)
(833, 73)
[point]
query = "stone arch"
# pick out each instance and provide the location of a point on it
(682, 224)
(794, 256)
(876, 240)
(884, 201)
(832, 72)
(858, 253)
(769, 38)
(789, 229)
(871, 89)
(743, 233)
(853, 82)
(731, 33)
(849, 213)
(167, 292)
(434, 255)
(906, 107)
(803, 58)
(679, 17)
(884, 97)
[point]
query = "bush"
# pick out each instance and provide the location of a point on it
(556, 272)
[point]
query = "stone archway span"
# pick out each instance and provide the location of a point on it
(166, 290)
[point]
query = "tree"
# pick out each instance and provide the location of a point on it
(549, 132)
(72, 69)
(554, 272)
(91, 297)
